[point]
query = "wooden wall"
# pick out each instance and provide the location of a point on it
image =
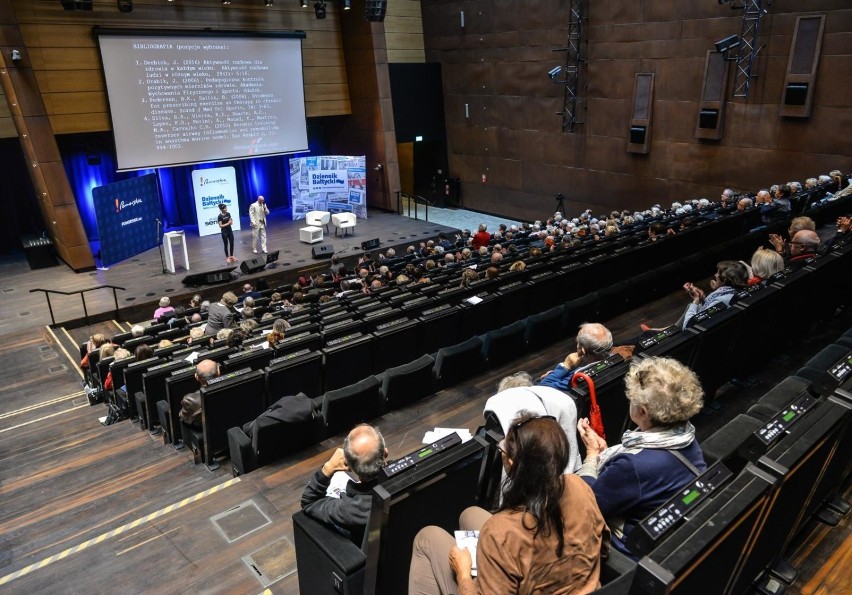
(64, 56)
(498, 65)
(404, 32)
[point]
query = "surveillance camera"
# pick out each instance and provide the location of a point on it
(554, 72)
(16, 56)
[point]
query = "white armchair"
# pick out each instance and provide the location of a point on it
(344, 221)
(318, 218)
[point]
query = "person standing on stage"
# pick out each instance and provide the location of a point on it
(225, 223)
(257, 215)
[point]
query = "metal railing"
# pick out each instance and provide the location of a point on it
(417, 200)
(82, 293)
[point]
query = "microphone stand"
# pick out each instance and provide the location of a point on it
(160, 243)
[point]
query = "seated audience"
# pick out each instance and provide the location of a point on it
(796, 225)
(165, 308)
(632, 479)
(730, 277)
(803, 245)
(516, 393)
(547, 536)
(120, 354)
(594, 342)
(363, 454)
(190, 405)
(94, 342)
(764, 264)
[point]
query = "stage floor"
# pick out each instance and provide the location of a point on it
(144, 283)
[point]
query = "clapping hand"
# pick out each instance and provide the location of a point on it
(593, 442)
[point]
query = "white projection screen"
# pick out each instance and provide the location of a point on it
(180, 97)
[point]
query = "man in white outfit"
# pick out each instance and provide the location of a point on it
(257, 216)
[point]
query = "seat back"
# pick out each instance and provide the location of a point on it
(440, 327)
(407, 383)
(395, 343)
(608, 377)
(504, 344)
(344, 407)
(297, 372)
(346, 360)
(544, 328)
(458, 362)
(232, 399)
(179, 384)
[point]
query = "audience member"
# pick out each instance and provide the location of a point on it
(481, 238)
(803, 245)
(165, 308)
(517, 393)
(730, 277)
(764, 264)
(190, 405)
(94, 342)
(594, 342)
(797, 224)
(363, 454)
(547, 536)
(632, 479)
(221, 314)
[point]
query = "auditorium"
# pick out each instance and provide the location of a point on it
(541, 296)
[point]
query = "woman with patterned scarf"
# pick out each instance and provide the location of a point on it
(653, 462)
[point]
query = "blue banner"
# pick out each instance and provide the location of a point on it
(128, 214)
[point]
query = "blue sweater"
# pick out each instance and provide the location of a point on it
(632, 486)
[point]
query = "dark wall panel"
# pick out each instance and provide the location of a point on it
(498, 66)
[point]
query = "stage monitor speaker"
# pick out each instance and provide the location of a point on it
(370, 244)
(254, 264)
(323, 251)
(208, 278)
(796, 94)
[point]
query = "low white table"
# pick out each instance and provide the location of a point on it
(167, 248)
(310, 234)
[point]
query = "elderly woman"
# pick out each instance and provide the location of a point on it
(730, 277)
(165, 308)
(764, 264)
(653, 462)
(547, 536)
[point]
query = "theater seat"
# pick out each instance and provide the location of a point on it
(347, 406)
(725, 441)
(407, 383)
(545, 328)
(778, 397)
(504, 344)
(325, 559)
(458, 362)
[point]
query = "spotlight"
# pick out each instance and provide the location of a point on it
(728, 44)
(267, 2)
(226, 2)
(554, 72)
(319, 9)
(304, 3)
(347, 4)
(125, 5)
(16, 56)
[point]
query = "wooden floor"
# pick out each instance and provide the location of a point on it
(145, 283)
(88, 508)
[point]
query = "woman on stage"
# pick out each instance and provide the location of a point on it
(225, 222)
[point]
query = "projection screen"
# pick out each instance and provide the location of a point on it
(180, 97)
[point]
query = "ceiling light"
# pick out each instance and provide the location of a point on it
(319, 9)
(347, 4)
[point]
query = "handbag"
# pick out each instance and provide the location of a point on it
(595, 419)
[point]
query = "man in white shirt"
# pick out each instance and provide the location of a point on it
(257, 216)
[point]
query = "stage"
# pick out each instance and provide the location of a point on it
(144, 282)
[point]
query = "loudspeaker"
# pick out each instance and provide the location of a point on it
(253, 265)
(637, 135)
(323, 251)
(796, 94)
(370, 244)
(208, 278)
(708, 118)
